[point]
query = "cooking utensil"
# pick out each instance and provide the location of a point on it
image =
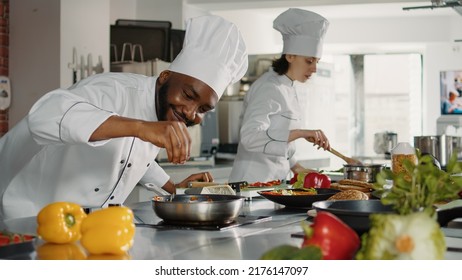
(217, 189)
(236, 186)
(355, 213)
(299, 201)
(345, 158)
(210, 209)
(202, 184)
(365, 172)
(384, 143)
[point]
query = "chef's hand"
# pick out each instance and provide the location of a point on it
(198, 177)
(173, 136)
(317, 137)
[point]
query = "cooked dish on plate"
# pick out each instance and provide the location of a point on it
(311, 191)
(302, 199)
(265, 184)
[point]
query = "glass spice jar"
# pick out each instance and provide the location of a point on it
(401, 152)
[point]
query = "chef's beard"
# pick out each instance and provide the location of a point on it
(164, 106)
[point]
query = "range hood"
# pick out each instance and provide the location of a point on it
(435, 4)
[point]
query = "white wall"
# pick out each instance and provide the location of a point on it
(257, 30)
(84, 26)
(171, 10)
(34, 53)
(122, 9)
(42, 35)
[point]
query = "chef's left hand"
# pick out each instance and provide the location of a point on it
(198, 177)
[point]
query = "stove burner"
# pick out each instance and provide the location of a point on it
(239, 221)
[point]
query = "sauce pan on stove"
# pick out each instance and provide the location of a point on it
(362, 172)
(201, 209)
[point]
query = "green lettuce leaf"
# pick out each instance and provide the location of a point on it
(300, 181)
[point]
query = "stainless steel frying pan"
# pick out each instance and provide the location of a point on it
(201, 209)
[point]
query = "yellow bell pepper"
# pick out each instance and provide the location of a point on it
(52, 251)
(108, 231)
(59, 222)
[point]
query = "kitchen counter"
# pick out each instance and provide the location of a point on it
(246, 242)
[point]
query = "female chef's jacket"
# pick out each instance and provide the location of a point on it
(271, 110)
(47, 156)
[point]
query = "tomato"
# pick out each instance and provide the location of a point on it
(4, 240)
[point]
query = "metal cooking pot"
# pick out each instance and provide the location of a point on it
(206, 209)
(365, 172)
(441, 146)
(355, 213)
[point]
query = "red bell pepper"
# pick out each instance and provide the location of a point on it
(316, 180)
(336, 239)
(293, 179)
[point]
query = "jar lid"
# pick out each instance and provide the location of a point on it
(403, 148)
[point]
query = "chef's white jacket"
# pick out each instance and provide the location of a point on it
(47, 156)
(271, 110)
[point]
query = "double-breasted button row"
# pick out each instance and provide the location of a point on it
(130, 165)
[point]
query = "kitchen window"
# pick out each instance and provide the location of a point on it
(352, 97)
(375, 93)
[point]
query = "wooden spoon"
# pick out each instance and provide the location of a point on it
(348, 160)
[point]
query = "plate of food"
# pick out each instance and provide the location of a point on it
(15, 245)
(267, 184)
(298, 198)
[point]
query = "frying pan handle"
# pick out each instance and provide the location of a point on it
(156, 189)
(447, 215)
(201, 184)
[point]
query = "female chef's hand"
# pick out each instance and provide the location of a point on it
(198, 177)
(171, 135)
(317, 137)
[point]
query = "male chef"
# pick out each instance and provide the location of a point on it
(93, 142)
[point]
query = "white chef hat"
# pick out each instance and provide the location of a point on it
(302, 32)
(213, 52)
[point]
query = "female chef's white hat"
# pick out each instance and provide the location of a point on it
(213, 52)
(302, 32)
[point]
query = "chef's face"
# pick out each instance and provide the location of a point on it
(183, 98)
(301, 67)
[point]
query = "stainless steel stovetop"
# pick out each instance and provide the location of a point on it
(240, 220)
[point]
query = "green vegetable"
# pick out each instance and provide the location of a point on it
(300, 181)
(289, 252)
(415, 236)
(428, 185)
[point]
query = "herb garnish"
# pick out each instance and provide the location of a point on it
(426, 186)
